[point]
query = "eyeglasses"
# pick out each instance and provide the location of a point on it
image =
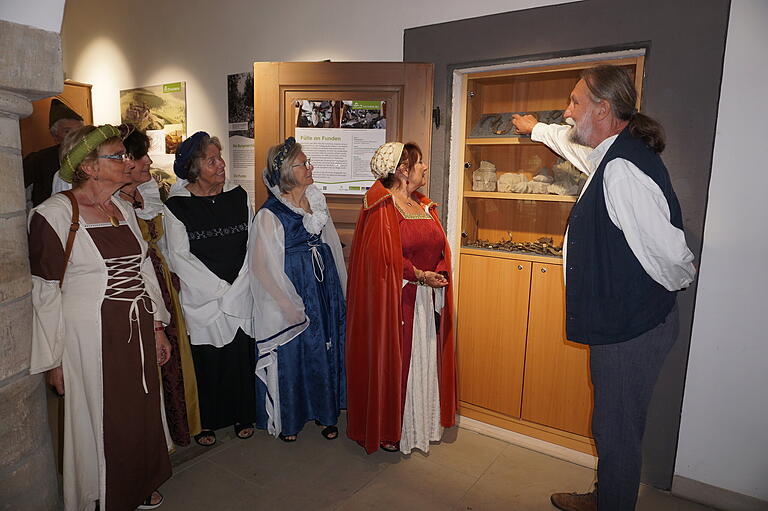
(306, 164)
(116, 157)
(214, 160)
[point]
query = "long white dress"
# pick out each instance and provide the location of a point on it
(66, 331)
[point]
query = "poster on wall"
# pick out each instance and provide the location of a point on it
(340, 138)
(161, 112)
(241, 169)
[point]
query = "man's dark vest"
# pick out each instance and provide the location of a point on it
(609, 297)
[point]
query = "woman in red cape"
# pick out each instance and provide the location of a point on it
(401, 370)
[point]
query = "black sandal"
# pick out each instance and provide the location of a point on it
(203, 435)
(239, 428)
(147, 504)
(386, 446)
(329, 432)
(285, 438)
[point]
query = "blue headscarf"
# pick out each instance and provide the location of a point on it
(273, 172)
(184, 153)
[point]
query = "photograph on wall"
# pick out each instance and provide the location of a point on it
(364, 114)
(340, 138)
(318, 114)
(158, 110)
(240, 167)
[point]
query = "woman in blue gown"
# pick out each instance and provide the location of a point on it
(298, 283)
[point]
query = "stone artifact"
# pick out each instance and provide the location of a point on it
(542, 246)
(521, 187)
(500, 124)
(538, 187)
(544, 176)
(568, 180)
(508, 180)
(539, 184)
(484, 178)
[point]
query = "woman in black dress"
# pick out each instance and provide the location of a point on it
(206, 225)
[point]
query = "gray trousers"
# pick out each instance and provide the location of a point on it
(623, 377)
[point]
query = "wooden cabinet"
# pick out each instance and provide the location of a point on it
(491, 368)
(557, 390)
(516, 368)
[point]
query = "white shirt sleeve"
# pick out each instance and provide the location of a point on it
(557, 137)
(58, 184)
(637, 206)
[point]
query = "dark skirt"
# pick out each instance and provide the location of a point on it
(226, 382)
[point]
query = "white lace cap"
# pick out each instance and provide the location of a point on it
(386, 158)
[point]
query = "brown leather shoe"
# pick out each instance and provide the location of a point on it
(575, 501)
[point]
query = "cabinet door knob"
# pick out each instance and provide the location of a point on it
(467, 165)
(543, 270)
(519, 266)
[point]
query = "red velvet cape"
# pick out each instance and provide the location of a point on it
(374, 356)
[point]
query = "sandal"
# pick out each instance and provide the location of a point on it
(287, 438)
(206, 438)
(389, 447)
(329, 432)
(147, 504)
(241, 428)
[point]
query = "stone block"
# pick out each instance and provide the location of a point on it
(15, 337)
(30, 62)
(11, 183)
(10, 137)
(15, 280)
(24, 426)
(32, 485)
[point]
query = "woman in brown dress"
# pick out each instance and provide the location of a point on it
(98, 329)
(182, 410)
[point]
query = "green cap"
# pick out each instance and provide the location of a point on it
(77, 154)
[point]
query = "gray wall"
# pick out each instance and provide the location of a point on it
(685, 41)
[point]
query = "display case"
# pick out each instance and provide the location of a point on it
(516, 369)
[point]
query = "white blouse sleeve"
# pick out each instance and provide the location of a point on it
(201, 289)
(330, 237)
(637, 206)
(278, 309)
(48, 329)
(557, 137)
(47, 325)
(152, 287)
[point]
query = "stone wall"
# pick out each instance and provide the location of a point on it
(30, 69)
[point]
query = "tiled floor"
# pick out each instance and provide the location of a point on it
(467, 471)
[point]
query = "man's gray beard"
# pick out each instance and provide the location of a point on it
(577, 137)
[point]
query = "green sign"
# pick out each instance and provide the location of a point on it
(172, 87)
(366, 105)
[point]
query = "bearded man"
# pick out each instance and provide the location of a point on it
(624, 259)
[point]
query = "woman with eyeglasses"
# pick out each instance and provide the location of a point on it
(98, 329)
(400, 349)
(179, 384)
(298, 281)
(206, 221)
